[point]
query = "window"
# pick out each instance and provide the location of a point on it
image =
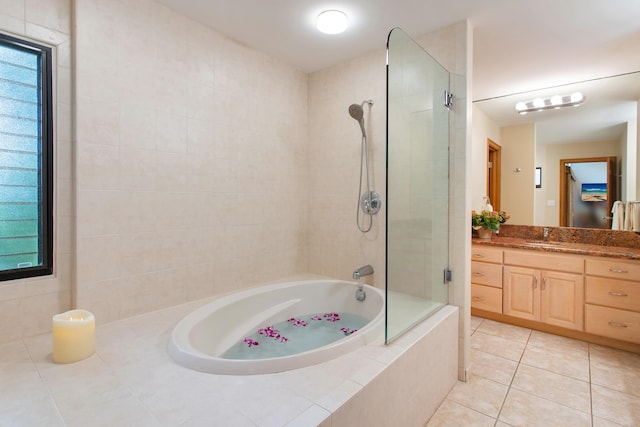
(26, 159)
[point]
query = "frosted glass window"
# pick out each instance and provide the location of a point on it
(26, 167)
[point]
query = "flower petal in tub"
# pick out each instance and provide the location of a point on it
(316, 318)
(332, 317)
(348, 331)
(271, 332)
(297, 322)
(249, 342)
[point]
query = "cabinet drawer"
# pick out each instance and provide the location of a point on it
(486, 298)
(550, 261)
(612, 293)
(623, 270)
(483, 273)
(486, 254)
(611, 322)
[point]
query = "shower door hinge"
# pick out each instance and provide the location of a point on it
(448, 99)
(447, 276)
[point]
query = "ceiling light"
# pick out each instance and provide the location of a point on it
(556, 101)
(332, 22)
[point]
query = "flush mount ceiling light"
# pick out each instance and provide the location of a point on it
(556, 101)
(332, 22)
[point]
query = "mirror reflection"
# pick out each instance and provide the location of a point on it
(508, 148)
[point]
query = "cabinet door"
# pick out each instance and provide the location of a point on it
(562, 299)
(521, 293)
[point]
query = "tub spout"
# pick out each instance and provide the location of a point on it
(366, 270)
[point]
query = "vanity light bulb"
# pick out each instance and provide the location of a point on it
(520, 106)
(332, 22)
(576, 97)
(556, 100)
(538, 102)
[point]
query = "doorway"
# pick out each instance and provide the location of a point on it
(493, 174)
(588, 188)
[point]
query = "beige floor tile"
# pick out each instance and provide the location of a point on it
(614, 357)
(566, 391)
(502, 424)
(452, 414)
(475, 322)
(497, 346)
(523, 409)
(625, 379)
(614, 406)
(492, 367)
(601, 422)
(504, 330)
(561, 361)
(556, 342)
(480, 394)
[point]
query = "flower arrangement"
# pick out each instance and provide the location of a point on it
(490, 220)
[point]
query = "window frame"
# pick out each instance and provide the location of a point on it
(45, 232)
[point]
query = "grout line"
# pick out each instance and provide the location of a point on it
(512, 378)
(590, 385)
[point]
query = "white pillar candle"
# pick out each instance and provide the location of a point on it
(74, 336)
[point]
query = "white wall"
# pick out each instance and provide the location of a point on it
(26, 306)
(483, 129)
(517, 172)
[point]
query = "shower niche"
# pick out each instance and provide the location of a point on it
(418, 103)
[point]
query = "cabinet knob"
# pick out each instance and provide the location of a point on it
(535, 282)
(618, 294)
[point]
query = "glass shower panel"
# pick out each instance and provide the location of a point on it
(417, 184)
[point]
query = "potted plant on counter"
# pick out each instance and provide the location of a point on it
(486, 222)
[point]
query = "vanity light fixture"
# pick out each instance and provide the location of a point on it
(552, 103)
(332, 22)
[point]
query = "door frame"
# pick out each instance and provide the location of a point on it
(612, 184)
(494, 155)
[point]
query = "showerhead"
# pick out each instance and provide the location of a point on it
(356, 111)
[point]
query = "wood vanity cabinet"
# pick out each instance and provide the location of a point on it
(592, 298)
(552, 292)
(486, 278)
(612, 298)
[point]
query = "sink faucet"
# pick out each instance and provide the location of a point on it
(363, 271)
(545, 234)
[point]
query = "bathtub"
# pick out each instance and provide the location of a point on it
(200, 339)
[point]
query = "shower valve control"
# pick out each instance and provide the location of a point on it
(370, 203)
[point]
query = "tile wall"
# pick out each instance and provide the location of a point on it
(191, 161)
(26, 306)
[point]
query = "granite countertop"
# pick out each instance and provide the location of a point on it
(602, 243)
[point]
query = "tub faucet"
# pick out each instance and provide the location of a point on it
(363, 271)
(545, 234)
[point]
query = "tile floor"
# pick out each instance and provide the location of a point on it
(520, 377)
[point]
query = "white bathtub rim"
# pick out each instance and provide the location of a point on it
(185, 354)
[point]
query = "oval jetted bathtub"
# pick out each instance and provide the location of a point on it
(216, 337)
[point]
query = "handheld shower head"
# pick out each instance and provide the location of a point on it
(356, 111)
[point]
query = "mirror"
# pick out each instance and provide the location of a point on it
(605, 125)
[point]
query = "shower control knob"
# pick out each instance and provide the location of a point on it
(370, 203)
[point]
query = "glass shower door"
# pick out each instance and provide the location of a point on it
(417, 184)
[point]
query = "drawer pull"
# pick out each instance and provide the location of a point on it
(617, 325)
(544, 283)
(618, 270)
(618, 294)
(535, 282)
(478, 298)
(478, 273)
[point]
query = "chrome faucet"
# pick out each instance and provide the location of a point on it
(545, 234)
(366, 270)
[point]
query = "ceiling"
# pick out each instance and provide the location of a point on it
(518, 46)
